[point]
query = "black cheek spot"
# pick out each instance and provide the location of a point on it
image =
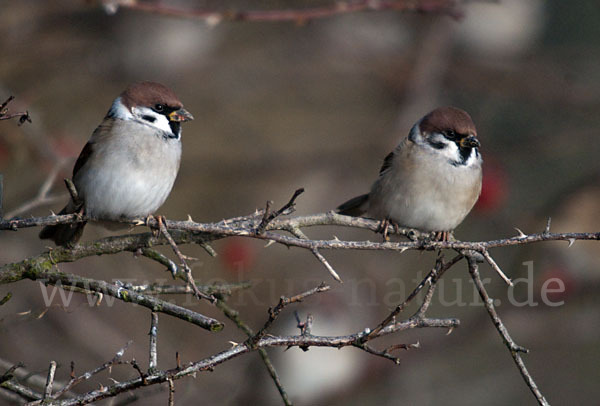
(149, 118)
(437, 145)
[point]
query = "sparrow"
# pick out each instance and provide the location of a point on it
(129, 165)
(430, 181)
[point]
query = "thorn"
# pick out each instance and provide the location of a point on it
(233, 343)
(521, 234)
(416, 345)
(139, 222)
(268, 244)
(335, 238)
(100, 297)
(403, 249)
(52, 213)
(450, 330)
(571, 242)
(547, 230)
(25, 313)
(190, 219)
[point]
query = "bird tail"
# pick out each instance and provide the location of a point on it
(355, 206)
(63, 234)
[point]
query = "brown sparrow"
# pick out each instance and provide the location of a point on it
(431, 180)
(128, 166)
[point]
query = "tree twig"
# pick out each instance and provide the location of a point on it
(5, 115)
(514, 349)
(188, 271)
(50, 380)
(213, 17)
(153, 355)
(233, 315)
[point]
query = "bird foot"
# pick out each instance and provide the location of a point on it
(160, 220)
(384, 228)
(443, 236)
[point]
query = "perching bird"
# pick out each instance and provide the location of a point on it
(129, 165)
(431, 180)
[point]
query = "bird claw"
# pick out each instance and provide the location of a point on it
(442, 236)
(384, 228)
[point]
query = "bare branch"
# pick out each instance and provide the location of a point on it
(233, 315)
(50, 380)
(153, 356)
(216, 289)
(188, 271)
(43, 196)
(84, 377)
(5, 115)
(212, 17)
(495, 267)
(171, 392)
(283, 302)
(38, 270)
(286, 209)
(329, 268)
(514, 349)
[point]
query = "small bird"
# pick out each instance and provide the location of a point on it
(431, 180)
(129, 165)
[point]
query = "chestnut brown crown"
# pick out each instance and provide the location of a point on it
(149, 94)
(448, 118)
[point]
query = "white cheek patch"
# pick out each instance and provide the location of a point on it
(118, 110)
(145, 115)
(449, 150)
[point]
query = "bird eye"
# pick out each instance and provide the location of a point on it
(159, 107)
(450, 134)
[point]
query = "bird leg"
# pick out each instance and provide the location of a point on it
(384, 228)
(160, 220)
(443, 236)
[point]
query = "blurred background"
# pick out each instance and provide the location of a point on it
(318, 105)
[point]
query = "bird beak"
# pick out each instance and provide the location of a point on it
(469, 142)
(180, 115)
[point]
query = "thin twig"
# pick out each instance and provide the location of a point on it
(43, 196)
(153, 355)
(61, 279)
(171, 392)
(286, 209)
(514, 349)
(50, 380)
(431, 278)
(233, 315)
(215, 289)
(283, 302)
(73, 192)
(495, 267)
(212, 17)
(187, 269)
(5, 115)
(329, 268)
(84, 377)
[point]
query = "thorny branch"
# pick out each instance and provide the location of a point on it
(233, 315)
(514, 349)
(5, 115)
(299, 16)
(272, 228)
